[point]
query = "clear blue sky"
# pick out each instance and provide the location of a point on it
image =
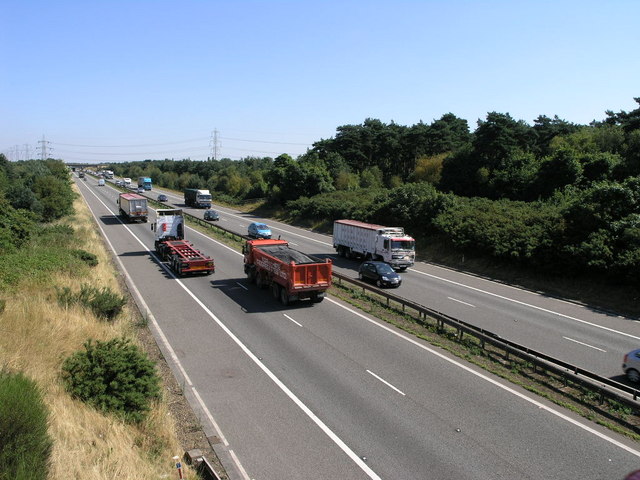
(131, 80)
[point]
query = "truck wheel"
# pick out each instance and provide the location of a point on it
(260, 281)
(275, 290)
(317, 298)
(251, 275)
(284, 297)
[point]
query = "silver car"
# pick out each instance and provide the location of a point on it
(631, 365)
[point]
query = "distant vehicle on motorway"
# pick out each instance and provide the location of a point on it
(101, 182)
(381, 273)
(211, 215)
(259, 230)
(163, 198)
(139, 190)
(631, 365)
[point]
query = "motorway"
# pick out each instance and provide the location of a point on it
(577, 334)
(322, 391)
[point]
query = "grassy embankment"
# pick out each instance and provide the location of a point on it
(36, 335)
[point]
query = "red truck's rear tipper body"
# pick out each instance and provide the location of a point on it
(291, 275)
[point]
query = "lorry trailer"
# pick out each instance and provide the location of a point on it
(198, 198)
(183, 258)
(291, 275)
(353, 239)
(133, 207)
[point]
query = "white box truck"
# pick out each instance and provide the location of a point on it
(353, 239)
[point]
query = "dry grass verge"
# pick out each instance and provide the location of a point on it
(36, 335)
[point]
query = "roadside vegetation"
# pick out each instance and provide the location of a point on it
(63, 320)
(553, 198)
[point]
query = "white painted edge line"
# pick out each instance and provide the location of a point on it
(343, 446)
(460, 301)
(585, 344)
(568, 317)
(493, 381)
(299, 324)
(386, 383)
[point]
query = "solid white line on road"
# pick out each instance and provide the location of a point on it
(386, 383)
(242, 285)
(299, 324)
(460, 301)
(585, 344)
(312, 416)
(527, 305)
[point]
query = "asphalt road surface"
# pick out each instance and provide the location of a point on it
(322, 391)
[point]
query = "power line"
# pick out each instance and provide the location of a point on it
(133, 146)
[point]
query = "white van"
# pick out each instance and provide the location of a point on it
(127, 182)
(101, 182)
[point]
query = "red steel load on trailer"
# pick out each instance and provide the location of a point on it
(291, 275)
(170, 245)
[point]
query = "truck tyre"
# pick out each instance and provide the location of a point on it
(317, 298)
(251, 275)
(284, 297)
(260, 281)
(275, 290)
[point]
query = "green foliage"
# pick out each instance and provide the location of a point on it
(25, 443)
(16, 227)
(521, 232)
(113, 376)
(103, 302)
(336, 205)
(87, 257)
(413, 206)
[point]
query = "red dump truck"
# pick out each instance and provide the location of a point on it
(171, 247)
(133, 207)
(291, 275)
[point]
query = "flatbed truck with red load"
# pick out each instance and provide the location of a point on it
(291, 275)
(171, 247)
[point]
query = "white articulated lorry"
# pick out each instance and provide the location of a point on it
(352, 238)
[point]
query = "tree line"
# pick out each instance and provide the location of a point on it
(553, 195)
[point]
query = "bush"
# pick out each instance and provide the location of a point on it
(26, 445)
(103, 302)
(113, 376)
(87, 257)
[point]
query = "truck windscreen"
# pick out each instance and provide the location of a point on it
(403, 245)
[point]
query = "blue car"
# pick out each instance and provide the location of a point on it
(259, 230)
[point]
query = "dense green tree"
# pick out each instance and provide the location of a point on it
(562, 168)
(546, 129)
(499, 136)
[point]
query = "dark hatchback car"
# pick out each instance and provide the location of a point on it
(381, 273)
(211, 215)
(163, 198)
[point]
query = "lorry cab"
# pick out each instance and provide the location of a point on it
(169, 224)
